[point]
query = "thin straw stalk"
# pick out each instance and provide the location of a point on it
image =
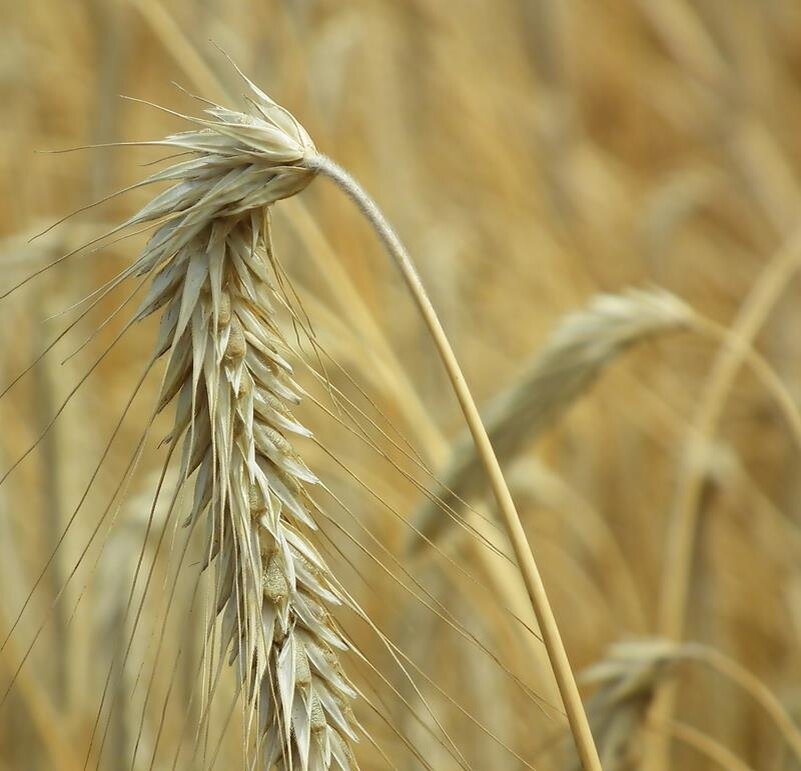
(536, 589)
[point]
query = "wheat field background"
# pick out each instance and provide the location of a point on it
(532, 154)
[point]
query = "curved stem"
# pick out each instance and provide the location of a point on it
(563, 674)
(683, 523)
(758, 691)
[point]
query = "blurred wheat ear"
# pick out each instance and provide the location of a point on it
(581, 346)
(627, 679)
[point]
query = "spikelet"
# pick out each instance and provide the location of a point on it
(214, 283)
(576, 353)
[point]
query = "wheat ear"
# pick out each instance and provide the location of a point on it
(627, 679)
(630, 677)
(583, 344)
(215, 284)
(557, 655)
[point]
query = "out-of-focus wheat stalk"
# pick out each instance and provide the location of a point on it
(703, 744)
(681, 537)
(745, 680)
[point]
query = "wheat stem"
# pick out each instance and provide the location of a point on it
(528, 567)
(741, 676)
(681, 538)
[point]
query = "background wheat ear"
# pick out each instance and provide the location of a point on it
(581, 346)
(626, 680)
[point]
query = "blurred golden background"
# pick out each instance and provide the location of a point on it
(531, 154)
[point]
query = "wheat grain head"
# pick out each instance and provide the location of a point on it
(627, 679)
(215, 283)
(581, 346)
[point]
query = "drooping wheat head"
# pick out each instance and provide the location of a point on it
(627, 679)
(581, 346)
(216, 283)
